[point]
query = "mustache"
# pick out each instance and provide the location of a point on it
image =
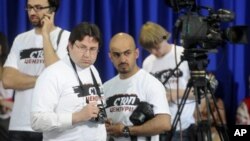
(123, 64)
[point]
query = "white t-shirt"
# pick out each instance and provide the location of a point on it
(26, 55)
(157, 65)
(123, 95)
(57, 95)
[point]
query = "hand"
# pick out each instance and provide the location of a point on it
(108, 122)
(47, 23)
(115, 129)
(86, 113)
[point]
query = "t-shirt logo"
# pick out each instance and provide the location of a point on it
(32, 56)
(85, 90)
(122, 99)
(89, 91)
(165, 75)
(122, 103)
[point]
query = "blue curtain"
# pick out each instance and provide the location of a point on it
(230, 64)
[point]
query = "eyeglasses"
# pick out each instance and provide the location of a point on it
(82, 48)
(36, 8)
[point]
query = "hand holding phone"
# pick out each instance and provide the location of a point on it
(47, 22)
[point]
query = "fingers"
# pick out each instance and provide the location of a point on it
(92, 109)
(49, 16)
(108, 121)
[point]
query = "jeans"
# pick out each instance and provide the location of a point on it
(25, 136)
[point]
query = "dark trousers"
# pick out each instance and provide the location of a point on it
(25, 136)
(4, 124)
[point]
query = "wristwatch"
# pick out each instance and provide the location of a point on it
(126, 132)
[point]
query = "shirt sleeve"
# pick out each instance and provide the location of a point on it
(12, 58)
(46, 96)
(156, 95)
(62, 47)
(45, 121)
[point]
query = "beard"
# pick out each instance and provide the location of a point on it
(35, 22)
(123, 68)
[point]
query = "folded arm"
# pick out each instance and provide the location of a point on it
(151, 127)
(14, 79)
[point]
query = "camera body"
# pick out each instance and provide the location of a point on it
(101, 116)
(206, 31)
(142, 113)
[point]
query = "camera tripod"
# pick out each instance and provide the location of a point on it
(201, 86)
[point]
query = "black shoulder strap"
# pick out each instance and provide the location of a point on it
(59, 38)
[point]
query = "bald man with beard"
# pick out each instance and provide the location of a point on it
(130, 87)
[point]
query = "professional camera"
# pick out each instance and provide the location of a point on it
(102, 116)
(142, 113)
(205, 31)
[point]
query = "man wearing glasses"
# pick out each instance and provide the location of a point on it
(68, 94)
(31, 52)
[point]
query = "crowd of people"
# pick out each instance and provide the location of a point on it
(38, 104)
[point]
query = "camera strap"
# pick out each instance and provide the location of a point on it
(59, 38)
(92, 75)
(94, 81)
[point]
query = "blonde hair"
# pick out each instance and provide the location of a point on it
(152, 34)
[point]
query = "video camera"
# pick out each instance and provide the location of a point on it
(202, 34)
(205, 31)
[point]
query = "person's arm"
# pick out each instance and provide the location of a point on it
(149, 128)
(173, 94)
(153, 126)
(14, 79)
(47, 121)
(50, 55)
(86, 113)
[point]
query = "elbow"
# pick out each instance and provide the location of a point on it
(168, 125)
(35, 123)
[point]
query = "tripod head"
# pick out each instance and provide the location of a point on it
(197, 62)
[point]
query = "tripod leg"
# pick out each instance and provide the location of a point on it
(219, 125)
(179, 111)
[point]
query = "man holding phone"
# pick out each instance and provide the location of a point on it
(30, 53)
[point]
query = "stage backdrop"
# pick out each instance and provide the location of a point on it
(230, 64)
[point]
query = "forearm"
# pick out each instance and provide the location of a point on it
(77, 117)
(158, 124)
(50, 55)
(13, 79)
(175, 94)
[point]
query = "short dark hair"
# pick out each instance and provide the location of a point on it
(54, 4)
(85, 29)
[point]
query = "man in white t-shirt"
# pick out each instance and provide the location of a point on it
(124, 92)
(30, 53)
(161, 62)
(67, 93)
